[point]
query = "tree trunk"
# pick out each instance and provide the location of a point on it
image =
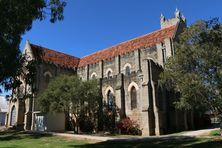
(185, 120)
(67, 121)
(192, 119)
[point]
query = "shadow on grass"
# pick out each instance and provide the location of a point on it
(168, 142)
(18, 135)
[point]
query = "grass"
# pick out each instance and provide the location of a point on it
(33, 140)
(216, 133)
(175, 142)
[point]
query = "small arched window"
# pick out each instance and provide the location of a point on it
(93, 77)
(127, 71)
(133, 98)
(164, 53)
(110, 100)
(47, 78)
(109, 74)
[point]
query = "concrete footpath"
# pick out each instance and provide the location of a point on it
(95, 138)
(2, 128)
(83, 137)
(203, 132)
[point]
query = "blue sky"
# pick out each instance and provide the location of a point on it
(91, 25)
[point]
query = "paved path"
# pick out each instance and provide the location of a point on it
(2, 128)
(101, 138)
(84, 137)
(198, 132)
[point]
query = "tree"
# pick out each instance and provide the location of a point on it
(16, 18)
(196, 69)
(69, 94)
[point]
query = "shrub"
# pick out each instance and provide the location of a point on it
(109, 121)
(129, 127)
(86, 124)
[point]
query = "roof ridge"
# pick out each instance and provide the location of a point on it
(52, 56)
(145, 40)
(128, 40)
(54, 50)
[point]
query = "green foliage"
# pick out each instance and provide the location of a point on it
(57, 97)
(69, 94)
(28, 75)
(86, 123)
(108, 119)
(109, 115)
(196, 69)
(216, 133)
(16, 18)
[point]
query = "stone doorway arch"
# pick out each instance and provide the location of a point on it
(13, 116)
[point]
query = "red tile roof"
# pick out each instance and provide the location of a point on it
(128, 46)
(54, 57)
(58, 58)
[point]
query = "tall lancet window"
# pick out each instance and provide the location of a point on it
(127, 71)
(164, 53)
(109, 74)
(47, 78)
(110, 100)
(133, 98)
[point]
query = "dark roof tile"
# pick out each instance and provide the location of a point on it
(54, 57)
(128, 46)
(64, 60)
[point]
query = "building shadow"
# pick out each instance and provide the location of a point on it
(18, 135)
(158, 142)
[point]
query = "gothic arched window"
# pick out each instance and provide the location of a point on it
(133, 98)
(164, 53)
(127, 71)
(110, 100)
(13, 116)
(93, 77)
(109, 74)
(47, 78)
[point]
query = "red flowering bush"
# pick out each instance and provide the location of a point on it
(129, 127)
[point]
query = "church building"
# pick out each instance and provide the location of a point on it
(129, 76)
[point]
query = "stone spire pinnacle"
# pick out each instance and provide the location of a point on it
(178, 18)
(184, 18)
(162, 17)
(177, 13)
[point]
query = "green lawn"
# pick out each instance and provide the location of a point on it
(30, 140)
(22, 140)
